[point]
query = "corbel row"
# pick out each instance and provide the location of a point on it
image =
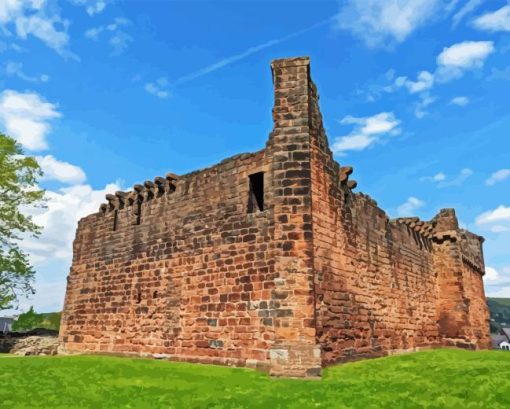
(140, 193)
(345, 172)
(473, 265)
(426, 229)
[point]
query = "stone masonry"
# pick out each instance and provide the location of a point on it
(270, 260)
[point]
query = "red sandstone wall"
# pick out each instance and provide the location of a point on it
(193, 280)
(295, 351)
(199, 278)
(462, 311)
(377, 285)
(473, 269)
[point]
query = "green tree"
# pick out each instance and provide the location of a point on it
(18, 192)
(51, 320)
(28, 320)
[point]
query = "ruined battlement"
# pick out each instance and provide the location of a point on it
(270, 260)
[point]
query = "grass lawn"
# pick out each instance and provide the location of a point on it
(432, 379)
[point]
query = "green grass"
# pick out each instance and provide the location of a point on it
(432, 379)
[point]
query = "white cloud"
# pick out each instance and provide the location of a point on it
(16, 69)
(468, 54)
(442, 180)
(468, 8)
(459, 101)
(491, 274)
(502, 213)
(367, 131)
(118, 38)
(92, 7)
(26, 117)
(94, 32)
(379, 23)
(457, 180)
(497, 281)
(438, 177)
(424, 101)
(59, 219)
(424, 82)
(498, 20)
(64, 172)
(158, 88)
(54, 247)
(498, 176)
(409, 207)
(120, 41)
(452, 62)
(38, 18)
(496, 221)
(460, 57)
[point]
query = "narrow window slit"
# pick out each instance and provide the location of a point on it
(138, 205)
(115, 217)
(256, 195)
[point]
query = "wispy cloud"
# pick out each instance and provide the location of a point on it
(158, 88)
(242, 55)
(498, 176)
(496, 220)
(367, 132)
(442, 180)
(498, 20)
(468, 8)
(39, 19)
(16, 69)
(409, 207)
(425, 100)
(459, 101)
(92, 7)
(458, 180)
(382, 23)
(451, 64)
(438, 177)
(117, 36)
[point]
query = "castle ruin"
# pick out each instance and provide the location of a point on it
(270, 260)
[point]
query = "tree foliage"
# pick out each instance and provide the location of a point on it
(31, 319)
(27, 321)
(18, 192)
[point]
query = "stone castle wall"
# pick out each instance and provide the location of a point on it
(191, 279)
(205, 268)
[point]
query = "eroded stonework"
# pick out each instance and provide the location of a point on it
(270, 260)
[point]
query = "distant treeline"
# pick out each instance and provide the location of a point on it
(500, 313)
(31, 319)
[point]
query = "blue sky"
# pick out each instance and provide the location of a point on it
(106, 94)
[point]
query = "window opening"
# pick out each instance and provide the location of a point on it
(115, 217)
(256, 196)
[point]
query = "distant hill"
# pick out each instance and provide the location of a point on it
(500, 313)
